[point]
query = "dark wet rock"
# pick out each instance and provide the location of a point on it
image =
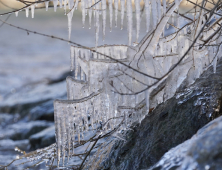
(44, 111)
(23, 130)
(169, 124)
(9, 145)
(5, 119)
(60, 78)
(23, 101)
(43, 138)
(202, 152)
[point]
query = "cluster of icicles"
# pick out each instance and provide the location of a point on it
(154, 10)
(102, 92)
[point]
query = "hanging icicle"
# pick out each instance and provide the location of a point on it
(129, 21)
(60, 3)
(71, 3)
(70, 15)
(83, 5)
(122, 12)
(72, 58)
(55, 3)
(164, 6)
(97, 22)
(159, 10)
(147, 11)
(116, 11)
(33, 10)
(110, 14)
(27, 12)
(90, 13)
(65, 5)
(137, 7)
(154, 13)
(16, 13)
(46, 5)
(104, 17)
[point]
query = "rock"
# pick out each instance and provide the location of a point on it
(9, 145)
(61, 77)
(168, 125)
(23, 130)
(202, 151)
(44, 111)
(22, 101)
(43, 138)
(5, 119)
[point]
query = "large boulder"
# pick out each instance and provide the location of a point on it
(24, 100)
(44, 111)
(168, 125)
(202, 151)
(43, 138)
(23, 130)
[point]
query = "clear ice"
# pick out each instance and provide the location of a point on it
(107, 87)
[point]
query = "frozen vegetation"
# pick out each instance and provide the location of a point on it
(112, 83)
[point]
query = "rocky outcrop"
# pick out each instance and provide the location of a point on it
(170, 124)
(43, 138)
(23, 130)
(32, 96)
(202, 151)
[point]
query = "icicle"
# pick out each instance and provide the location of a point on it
(154, 13)
(94, 12)
(116, 11)
(90, 13)
(104, 17)
(73, 128)
(215, 64)
(164, 6)
(27, 12)
(97, 25)
(33, 10)
(129, 21)
(147, 10)
(167, 26)
(58, 130)
(16, 14)
(159, 11)
(55, 3)
(83, 12)
(60, 3)
(147, 96)
(72, 58)
(122, 12)
(137, 6)
(110, 14)
(71, 3)
(65, 4)
(173, 18)
(63, 123)
(68, 118)
(46, 5)
(76, 64)
(70, 15)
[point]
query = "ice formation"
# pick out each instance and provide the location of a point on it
(104, 90)
(112, 83)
